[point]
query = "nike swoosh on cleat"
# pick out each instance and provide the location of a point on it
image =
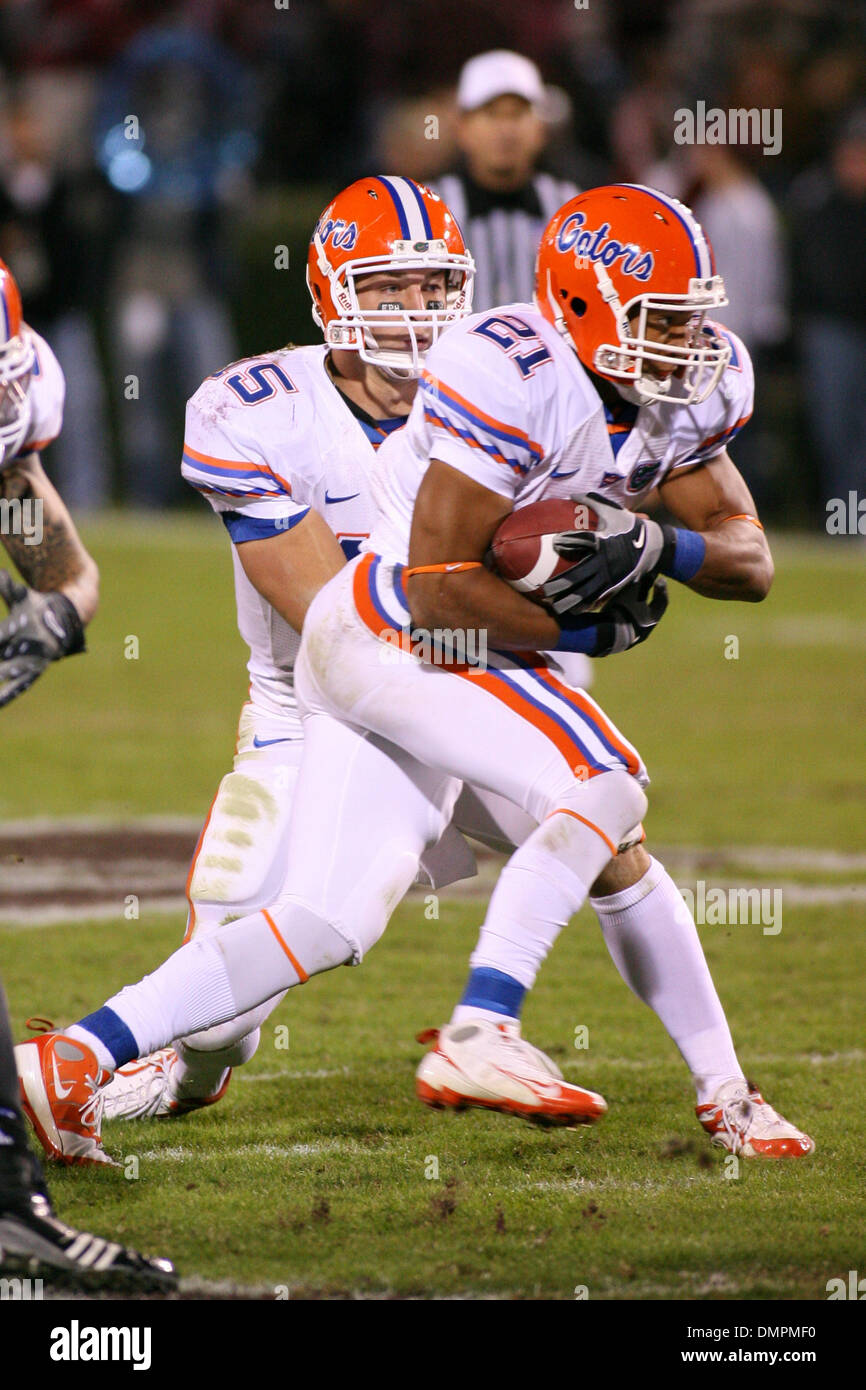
(547, 1089)
(349, 498)
(62, 1092)
(265, 742)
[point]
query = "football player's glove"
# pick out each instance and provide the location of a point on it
(40, 628)
(628, 619)
(623, 549)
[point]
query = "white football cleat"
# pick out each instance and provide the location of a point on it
(149, 1088)
(488, 1064)
(741, 1121)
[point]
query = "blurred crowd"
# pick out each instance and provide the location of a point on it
(162, 163)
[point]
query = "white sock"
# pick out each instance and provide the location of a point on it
(192, 988)
(655, 946)
(468, 1013)
(211, 980)
(543, 884)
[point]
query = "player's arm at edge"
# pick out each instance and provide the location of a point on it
(59, 562)
(714, 501)
(454, 520)
(289, 569)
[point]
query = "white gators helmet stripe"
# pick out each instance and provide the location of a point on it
(414, 222)
(703, 259)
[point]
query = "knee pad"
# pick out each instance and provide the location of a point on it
(240, 863)
(225, 1051)
(236, 1031)
(614, 804)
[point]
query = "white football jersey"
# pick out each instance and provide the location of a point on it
(266, 439)
(505, 400)
(46, 393)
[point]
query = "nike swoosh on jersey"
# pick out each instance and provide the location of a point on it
(639, 543)
(265, 742)
(350, 498)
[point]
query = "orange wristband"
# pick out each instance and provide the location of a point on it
(452, 568)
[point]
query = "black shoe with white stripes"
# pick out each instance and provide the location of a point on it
(34, 1243)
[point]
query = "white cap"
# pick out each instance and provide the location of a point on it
(496, 74)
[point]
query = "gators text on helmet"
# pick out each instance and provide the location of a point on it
(611, 256)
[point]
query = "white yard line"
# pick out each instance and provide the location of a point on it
(175, 1154)
(854, 1057)
(63, 825)
(794, 895)
(159, 888)
(319, 1075)
(94, 912)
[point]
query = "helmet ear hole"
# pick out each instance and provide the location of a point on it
(577, 307)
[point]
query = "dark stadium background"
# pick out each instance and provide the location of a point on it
(149, 250)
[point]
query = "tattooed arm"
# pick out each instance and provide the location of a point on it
(59, 562)
(48, 612)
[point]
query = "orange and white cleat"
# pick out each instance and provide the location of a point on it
(60, 1080)
(741, 1121)
(151, 1088)
(488, 1064)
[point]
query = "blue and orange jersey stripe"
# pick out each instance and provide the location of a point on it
(469, 438)
(454, 401)
(501, 684)
(602, 728)
(564, 739)
(724, 434)
(369, 605)
(240, 469)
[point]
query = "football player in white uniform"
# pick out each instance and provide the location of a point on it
(46, 621)
(515, 405)
(283, 446)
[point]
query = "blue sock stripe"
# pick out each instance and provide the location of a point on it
(113, 1033)
(492, 989)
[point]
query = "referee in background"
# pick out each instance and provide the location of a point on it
(500, 202)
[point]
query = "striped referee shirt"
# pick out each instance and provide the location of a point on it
(502, 231)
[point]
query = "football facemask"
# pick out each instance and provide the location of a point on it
(394, 226)
(17, 358)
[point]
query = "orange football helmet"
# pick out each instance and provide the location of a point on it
(17, 356)
(610, 256)
(385, 223)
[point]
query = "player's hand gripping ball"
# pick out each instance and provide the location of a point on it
(523, 550)
(574, 555)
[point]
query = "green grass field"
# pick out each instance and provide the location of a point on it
(316, 1172)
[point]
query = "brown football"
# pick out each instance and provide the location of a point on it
(522, 552)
